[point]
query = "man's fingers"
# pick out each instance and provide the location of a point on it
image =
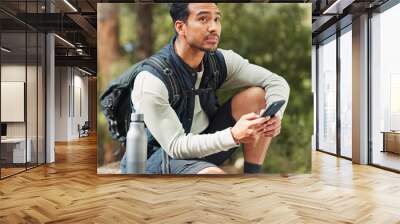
(272, 133)
(256, 122)
(274, 119)
(250, 116)
(277, 132)
(271, 127)
(260, 129)
(268, 134)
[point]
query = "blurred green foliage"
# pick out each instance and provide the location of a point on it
(274, 36)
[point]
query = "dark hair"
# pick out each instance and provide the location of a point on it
(179, 11)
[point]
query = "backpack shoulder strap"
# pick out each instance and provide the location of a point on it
(164, 68)
(218, 68)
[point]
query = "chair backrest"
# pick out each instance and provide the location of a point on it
(86, 125)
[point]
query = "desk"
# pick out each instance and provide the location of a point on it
(13, 150)
(391, 141)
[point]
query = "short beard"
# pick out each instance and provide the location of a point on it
(202, 48)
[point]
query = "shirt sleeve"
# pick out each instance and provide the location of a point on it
(241, 73)
(151, 96)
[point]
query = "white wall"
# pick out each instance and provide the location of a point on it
(71, 94)
(16, 73)
(80, 110)
(12, 73)
(61, 103)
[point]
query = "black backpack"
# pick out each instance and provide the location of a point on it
(116, 102)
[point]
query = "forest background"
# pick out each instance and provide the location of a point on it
(274, 36)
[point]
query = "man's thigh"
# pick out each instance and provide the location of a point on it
(247, 101)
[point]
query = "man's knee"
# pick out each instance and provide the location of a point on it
(211, 170)
(253, 98)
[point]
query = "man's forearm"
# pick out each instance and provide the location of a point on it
(200, 145)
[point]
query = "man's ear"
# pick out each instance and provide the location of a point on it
(180, 27)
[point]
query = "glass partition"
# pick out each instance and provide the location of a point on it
(22, 90)
(14, 154)
(31, 97)
(346, 93)
(385, 89)
(327, 95)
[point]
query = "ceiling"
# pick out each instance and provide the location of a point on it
(329, 15)
(76, 22)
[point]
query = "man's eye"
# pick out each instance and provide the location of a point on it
(203, 19)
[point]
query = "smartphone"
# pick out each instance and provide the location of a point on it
(273, 108)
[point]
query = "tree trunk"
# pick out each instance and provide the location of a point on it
(108, 37)
(144, 13)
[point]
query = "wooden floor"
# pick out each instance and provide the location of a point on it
(70, 191)
(10, 171)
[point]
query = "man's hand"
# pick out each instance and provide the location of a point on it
(250, 126)
(273, 127)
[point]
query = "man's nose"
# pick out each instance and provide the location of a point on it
(212, 27)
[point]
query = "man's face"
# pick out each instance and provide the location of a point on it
(203, 27)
